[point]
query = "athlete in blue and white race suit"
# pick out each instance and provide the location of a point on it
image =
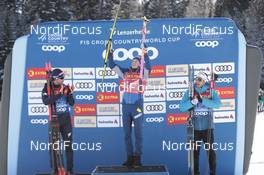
(62, 99)
(202, 104)
(132, 103)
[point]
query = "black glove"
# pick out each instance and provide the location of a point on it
(199, 98)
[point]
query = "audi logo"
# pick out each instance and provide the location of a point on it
(50, 48)
(206, 44)
(39, 109)
(107, 73)
(224, 80)
(84, 97)
(122, 54)
(154, 119)
(154, 107)
(176, 94)
(223, 68)
(84, 85)
(174, 106)
(201, 113)
(39, 121)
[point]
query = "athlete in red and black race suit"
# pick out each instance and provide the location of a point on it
(62, 99)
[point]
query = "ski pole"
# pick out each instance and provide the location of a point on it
(109, 40)
(144, 32)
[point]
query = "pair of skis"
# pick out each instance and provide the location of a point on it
(56, 155)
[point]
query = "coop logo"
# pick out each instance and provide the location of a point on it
(36, 73)
(84, 97)
(122, 54)
(212, 44)
(224, 80)
(154, 119)
(84, 109)
(84, 85)
(154, 108)
(53, 48)
(175, 119)
(174, 106)
(224, 68)
(39, 121)
(37, 109)
(201, 113)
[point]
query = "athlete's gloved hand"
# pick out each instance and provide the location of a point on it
(194, 101)
(109, 44)
(71, 88)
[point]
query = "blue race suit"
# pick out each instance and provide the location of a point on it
(203, 122)
(131, 104)
(62, 104)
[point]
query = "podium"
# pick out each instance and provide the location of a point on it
(122, 170)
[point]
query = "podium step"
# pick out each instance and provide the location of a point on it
(74, 174)
(122, 170)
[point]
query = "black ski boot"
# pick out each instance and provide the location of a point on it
(137, 161)
(129, 162)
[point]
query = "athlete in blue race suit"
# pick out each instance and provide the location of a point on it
(132, 105)
(202, 105)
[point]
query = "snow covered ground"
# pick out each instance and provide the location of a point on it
(257, 159)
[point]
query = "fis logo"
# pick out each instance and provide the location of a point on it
(203, 44)
(53, 48)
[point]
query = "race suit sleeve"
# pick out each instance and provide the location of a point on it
(185, 104)
(118, 69)
(215, 102)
